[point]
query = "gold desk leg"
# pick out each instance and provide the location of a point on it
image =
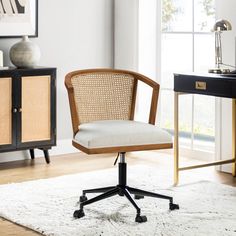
(234, 136)
(176, 138)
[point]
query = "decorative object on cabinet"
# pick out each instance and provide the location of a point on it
(25, 54)
(28, 110)
(18, 18)
(220, 26)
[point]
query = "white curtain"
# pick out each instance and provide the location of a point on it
(135, 45)
(126, 34)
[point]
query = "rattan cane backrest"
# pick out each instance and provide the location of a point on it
(103, 96)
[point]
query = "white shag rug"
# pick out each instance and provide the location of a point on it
(47, 206)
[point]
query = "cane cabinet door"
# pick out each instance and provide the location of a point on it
(35, 108)
(6, 129)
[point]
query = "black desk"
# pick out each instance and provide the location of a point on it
(206, 84)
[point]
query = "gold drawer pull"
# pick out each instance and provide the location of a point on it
(200, 85)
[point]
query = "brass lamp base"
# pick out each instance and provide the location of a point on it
(219, 71)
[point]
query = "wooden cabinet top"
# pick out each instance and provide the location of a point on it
(27, 69)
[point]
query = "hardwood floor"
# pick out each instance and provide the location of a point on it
(19, 171)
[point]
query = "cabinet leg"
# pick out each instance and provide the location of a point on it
(32, 154)
(234, 136)
(46, 155)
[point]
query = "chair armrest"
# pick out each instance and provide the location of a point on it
(155, 94)
(153, 107)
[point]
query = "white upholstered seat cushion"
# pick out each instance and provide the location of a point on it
(115, 133)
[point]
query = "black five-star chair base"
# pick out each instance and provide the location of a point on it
(123, 190)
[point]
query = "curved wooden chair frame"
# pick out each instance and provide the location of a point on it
(152, 114)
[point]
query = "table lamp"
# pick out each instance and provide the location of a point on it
(220, 26)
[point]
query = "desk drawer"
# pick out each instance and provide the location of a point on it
(202, 85)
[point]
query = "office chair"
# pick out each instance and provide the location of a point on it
(102, 105)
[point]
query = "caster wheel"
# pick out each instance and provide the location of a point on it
(138, 196)
(173, 206)
(83, 198)
(140, 219)
(79, 213)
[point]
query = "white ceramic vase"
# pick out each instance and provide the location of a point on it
(25, 54)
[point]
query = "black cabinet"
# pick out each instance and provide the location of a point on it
(28, 110)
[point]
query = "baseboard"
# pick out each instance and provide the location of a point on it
(64, 146)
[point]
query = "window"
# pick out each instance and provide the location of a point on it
(187, 44)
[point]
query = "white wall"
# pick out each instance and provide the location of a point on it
(226, 10)
(74, 34)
